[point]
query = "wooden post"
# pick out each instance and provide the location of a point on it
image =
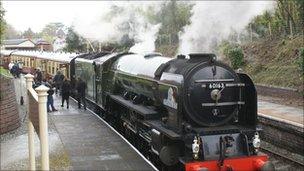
(160, 39)
(291, 29)
(88, 47)
(29, 79)
(269, 27)
(43, 126)
(250, 32)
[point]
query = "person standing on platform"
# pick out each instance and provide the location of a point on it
(65, 92)
(58, 79)
(50, 99)
(10, 66)
(38, 75)
(15, 70)
(81, 89)
(20, 66)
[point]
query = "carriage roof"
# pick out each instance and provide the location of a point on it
(54, 56)
(6, 52)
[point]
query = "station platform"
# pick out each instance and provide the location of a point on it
(288, 114)
(91, 144)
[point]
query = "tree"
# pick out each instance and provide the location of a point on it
(233, 52)
(74, 43)
(174, 16)
(287, 18)
(29, 34)
(49, 31)
(11, 33)
(2, 22)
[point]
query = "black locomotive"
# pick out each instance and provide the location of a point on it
(187, 113)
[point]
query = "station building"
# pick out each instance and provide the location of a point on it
(27, 44)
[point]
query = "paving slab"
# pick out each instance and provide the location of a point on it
(92, 144)
(14, 145)
(284, 112)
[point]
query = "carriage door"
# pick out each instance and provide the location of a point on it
(98, 84)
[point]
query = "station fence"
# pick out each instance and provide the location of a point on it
(37, 121)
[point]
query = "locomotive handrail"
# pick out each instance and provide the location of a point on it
(214, 80)
(223, 104)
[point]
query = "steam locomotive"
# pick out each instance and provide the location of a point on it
(188, 113)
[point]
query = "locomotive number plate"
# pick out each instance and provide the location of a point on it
(216, 85)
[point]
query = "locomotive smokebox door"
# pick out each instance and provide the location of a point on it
(212, 94)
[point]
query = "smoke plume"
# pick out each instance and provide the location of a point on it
(117, 21)
(213, 21)
(145, 39)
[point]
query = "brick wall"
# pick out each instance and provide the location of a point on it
(9, 116)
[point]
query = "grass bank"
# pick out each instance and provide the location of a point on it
(5, 72)
(275, 62)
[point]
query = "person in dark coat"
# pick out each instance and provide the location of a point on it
(81, 89)
(38, 75)
(65, 90)
(50, 99)
(15, 70)
(58, 79)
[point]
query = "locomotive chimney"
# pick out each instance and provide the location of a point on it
(202, 56)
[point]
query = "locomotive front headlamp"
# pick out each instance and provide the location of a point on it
(195, 147)
(256, 141)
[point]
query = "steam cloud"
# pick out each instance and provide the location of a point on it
(145, 39)
(212, 22)
(117, 21)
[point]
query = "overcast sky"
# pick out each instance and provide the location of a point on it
(36, 14)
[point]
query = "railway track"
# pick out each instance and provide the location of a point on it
(282, 159)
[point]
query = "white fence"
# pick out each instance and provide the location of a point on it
(37, 120)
